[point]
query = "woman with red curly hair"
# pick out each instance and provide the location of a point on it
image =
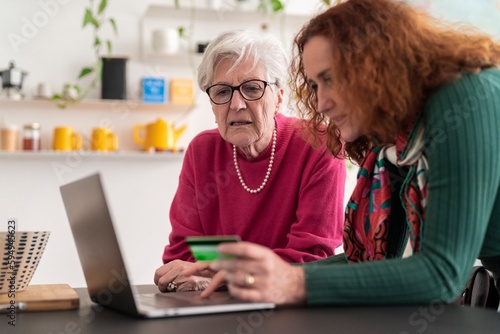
(417, 105)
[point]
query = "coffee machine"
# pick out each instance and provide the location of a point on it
(12, 82)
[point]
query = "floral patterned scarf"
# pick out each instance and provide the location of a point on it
(369, 208)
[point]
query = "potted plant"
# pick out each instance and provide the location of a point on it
(95, 17)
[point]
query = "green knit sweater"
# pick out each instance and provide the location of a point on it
(462, 133)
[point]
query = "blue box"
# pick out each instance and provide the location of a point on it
(154, 90)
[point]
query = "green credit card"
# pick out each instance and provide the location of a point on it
(205, 248)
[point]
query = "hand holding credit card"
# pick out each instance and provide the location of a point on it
(205, 248)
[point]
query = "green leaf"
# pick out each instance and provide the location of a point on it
(97, 41)
(102, 6)
(176, 4)
(98, 68)
(94, 22)
(328, 2)
(113, 24)
(181, 31)
(87, 17)
(56, 97)
(109, 47)
(276, 5)
(85, 71)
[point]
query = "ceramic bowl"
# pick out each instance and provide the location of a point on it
(20, 254)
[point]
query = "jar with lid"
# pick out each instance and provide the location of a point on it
(31, 137)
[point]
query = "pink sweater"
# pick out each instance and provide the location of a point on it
(299, 213)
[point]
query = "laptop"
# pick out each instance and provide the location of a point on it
(104, 267)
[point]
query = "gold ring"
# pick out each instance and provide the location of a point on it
(172, 286)
(249, 279)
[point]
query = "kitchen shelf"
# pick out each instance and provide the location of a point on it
(181, 58)
(204, 24)
(209, 14)
(97, 104)
(50, 154)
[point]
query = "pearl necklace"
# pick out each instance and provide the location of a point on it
(266, 178)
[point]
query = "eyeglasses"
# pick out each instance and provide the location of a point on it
(250, 90)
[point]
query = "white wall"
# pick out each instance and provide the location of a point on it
(53, 49)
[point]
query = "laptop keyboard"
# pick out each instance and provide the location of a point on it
(183, 299)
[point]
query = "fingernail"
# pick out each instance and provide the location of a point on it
(215, 265)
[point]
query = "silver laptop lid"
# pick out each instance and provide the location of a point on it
(97, 244)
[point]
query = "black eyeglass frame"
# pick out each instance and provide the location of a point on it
(233, 88)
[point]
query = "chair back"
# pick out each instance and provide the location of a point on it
(480, 290)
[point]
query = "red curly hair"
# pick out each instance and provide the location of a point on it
(389, 57)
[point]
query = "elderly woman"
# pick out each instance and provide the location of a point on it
(256, 176)
(397, 90)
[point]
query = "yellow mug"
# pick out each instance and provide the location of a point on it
(103, 139)
(66, 139)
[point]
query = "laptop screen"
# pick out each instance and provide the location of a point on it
(97, 244)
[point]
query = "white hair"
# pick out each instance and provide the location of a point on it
(242, 45)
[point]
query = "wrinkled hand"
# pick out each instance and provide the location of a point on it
(172, 272)
(255, 274)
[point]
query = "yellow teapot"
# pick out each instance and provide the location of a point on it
(159, 136)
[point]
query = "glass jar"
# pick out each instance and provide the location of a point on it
(9, 136)
(31, 137)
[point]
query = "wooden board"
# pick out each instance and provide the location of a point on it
(44, 298)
